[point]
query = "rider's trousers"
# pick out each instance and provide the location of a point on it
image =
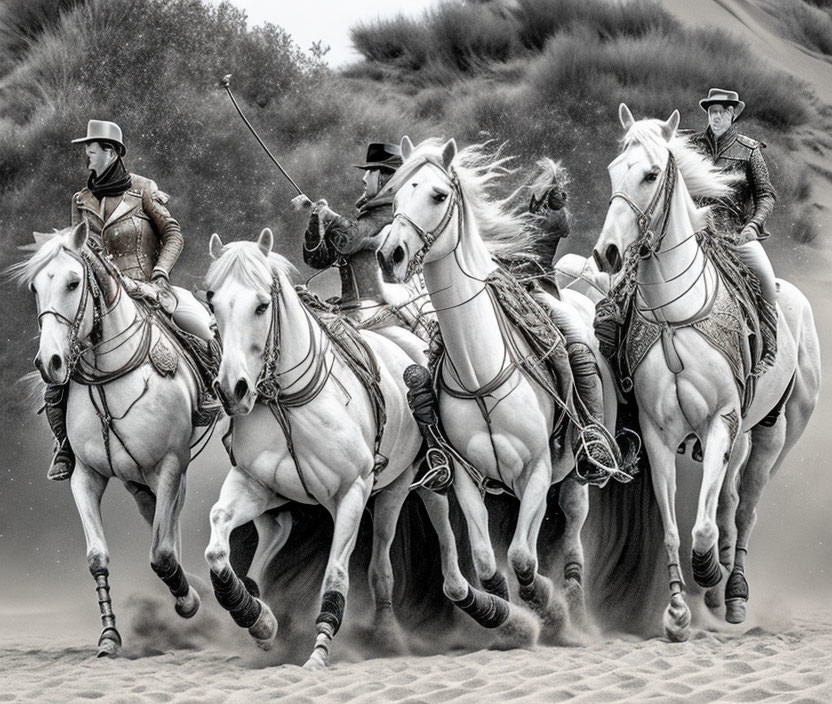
(755, 258)
(191, 316)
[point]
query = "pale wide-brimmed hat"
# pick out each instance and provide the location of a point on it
(103, 131)
(720, 96)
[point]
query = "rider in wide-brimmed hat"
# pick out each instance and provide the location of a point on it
(128, 219)
(745, 212)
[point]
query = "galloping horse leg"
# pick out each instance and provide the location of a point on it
(164, 547)
(87, 489)
(476, 517)
(516, 628)
(336, 578)
(574, 502)
(663, 471)
(145, 500)
(722, 441)
(386, 511)
(766, 448)
(241, 500)
(535, 589)
(273, 531)
(725, 521)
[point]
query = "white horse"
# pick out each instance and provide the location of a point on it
(496, 416)
(125, 417)
(686, 384)
(307, 429)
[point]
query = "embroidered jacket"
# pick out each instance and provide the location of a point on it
(136, 228)
(753, 195)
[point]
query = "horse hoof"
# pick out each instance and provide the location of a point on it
(317, 661)
(264, 628)
(735, 610)
(109, 643)
(677, 619)
(188, 605)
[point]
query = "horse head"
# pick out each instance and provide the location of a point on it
(427, 197)
(639, 177)
(243, 287)
(71, 285)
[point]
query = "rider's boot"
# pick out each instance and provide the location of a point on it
(63, 461)
(597, 456)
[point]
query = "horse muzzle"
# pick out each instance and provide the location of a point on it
(54, 372)
(609, 260)
(238, 401)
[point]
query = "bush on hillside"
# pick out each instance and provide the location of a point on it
(809, 26)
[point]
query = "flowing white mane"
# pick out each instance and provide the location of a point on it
(24, 272)
(702, 178)
(478, 168)
(244, 261)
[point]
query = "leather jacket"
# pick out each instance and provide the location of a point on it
(136, 228)
(753, 196)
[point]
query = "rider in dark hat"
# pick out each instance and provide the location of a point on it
(745, 212)
(129, 220)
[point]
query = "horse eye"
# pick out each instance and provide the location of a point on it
(439, 197)
(651, 177)
(72, 285)
(262, 308)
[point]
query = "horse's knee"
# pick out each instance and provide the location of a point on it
(484, 562)
(523, 564)
(705, 535)
(219, 516)
(98, 561)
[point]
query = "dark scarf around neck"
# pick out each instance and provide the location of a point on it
(113, 182)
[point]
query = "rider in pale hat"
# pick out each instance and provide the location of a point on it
(129, 220)
(745, 212)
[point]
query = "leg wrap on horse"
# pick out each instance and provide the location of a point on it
(496, 585)
(573, 570)
(233, 597)
(63, 461)
(332, 610)
(706, 572)
(487, 610)
(737, 586)
(172, 574)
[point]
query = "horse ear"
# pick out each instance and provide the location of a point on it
(80, 233)
(448, 152)
(407, 148)
(625, 116)
(215, 246)
(669, 128)
(265, 241)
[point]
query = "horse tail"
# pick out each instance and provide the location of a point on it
(626, 575)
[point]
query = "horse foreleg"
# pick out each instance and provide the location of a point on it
(766, 448)
(241, 500)
(87, 489)
(535, 589)
(476, 517)
(336, 578)
(722, 440)
(273, 531)
(164, 556)
(516, 627)
(663, 472)
(386, 511)
(574, 502)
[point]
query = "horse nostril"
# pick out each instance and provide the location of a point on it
(55, 363)
(613, 258)
(241, 389)
(398, 255)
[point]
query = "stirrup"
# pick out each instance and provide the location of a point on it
(597, 458)
(63, 464)
(438, 476)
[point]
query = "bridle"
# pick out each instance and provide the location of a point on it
(90, 289)
(647, 242)
(428, 237)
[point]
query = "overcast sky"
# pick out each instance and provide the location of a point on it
(327, 20)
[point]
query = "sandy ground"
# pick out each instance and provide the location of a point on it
(790, 663)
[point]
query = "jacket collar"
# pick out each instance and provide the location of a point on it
(720, 144)
(128, 201)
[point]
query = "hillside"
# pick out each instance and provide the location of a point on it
(544, 77)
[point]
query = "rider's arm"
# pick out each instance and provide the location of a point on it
(167, 228)
(762, 191)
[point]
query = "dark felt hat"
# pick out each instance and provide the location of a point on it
(382, 156)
